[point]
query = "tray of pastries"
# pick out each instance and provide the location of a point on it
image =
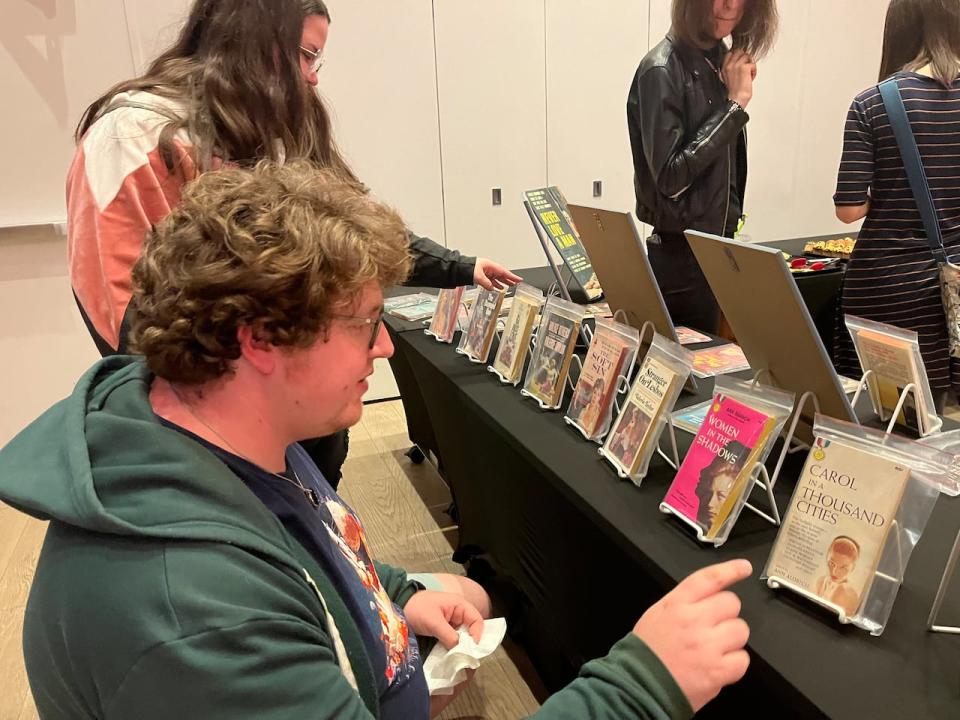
(835, 248)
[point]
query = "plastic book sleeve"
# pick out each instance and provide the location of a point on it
(716, 460)
(858, 510)
(610, 355)
(837, 523)
(633, 430)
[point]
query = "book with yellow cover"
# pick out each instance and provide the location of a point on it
(515, 341)
(632, 432)
(839, 518)
(894, 367)
(743, 483)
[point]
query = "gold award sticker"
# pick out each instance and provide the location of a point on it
(819, 454)
(716, 407)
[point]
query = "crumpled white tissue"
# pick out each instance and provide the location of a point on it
(445, 669)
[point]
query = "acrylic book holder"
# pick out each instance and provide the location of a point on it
(428, 331)
(926, 428)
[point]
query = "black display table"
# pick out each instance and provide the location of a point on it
(587, 552)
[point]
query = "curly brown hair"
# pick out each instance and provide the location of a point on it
(274, 247)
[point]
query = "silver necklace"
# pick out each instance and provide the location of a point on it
(309, 493)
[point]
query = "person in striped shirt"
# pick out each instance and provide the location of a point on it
(892, 276)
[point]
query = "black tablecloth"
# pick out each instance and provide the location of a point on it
(587, 552)
(819, 291)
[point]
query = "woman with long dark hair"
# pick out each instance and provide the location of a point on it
(892, 276)
(235, 87)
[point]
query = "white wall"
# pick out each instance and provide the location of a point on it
(55, 56)
(380, 83)
(435, 103)
(490, 72)
(590, 64)
(801, 96)
(514, 93)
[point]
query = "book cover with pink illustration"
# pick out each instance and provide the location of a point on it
(444, 323)
(715, 462)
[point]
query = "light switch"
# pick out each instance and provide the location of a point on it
(597, 188)
(497, 196)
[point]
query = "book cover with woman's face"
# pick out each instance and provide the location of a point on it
(838, 522)
(715, 460)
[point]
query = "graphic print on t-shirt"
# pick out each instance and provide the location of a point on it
(348, 537)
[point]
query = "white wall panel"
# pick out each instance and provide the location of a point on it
(772, 195)
(593, 49)
(153, 27)
(490, 67)
(842, 58)
(380, 84)
(55, 57)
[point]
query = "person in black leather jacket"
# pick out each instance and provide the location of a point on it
(686, 117)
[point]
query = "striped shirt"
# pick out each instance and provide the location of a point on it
(892, 276)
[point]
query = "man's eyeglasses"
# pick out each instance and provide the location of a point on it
(374, 324)
(314, 58)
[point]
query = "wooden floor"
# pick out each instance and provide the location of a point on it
(402, 506)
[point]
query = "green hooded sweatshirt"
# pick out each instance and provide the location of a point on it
(166, 589)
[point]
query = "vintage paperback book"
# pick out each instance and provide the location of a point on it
(631, 434)
(719, 360)
(515, 341)
(689, 336)
(691, 418)
(743, 483)
(718, 462)
(837, 524)
(550, 208)
(412, 307)
(894, 367)
(597, 384)
(483, 324)
(444, 322)
(551, 361)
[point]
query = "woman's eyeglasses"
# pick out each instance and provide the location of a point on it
(314, 58)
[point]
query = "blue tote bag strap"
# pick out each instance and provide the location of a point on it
(911, 163)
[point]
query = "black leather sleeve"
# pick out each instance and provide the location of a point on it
(437, 266)
(674, 163)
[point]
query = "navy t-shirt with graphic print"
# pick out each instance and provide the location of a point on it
(333, 535)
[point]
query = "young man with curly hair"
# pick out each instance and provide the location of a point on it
(198, 565)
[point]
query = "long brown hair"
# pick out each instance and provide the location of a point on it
(754, 34)
(235, 68)
(921, 32)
